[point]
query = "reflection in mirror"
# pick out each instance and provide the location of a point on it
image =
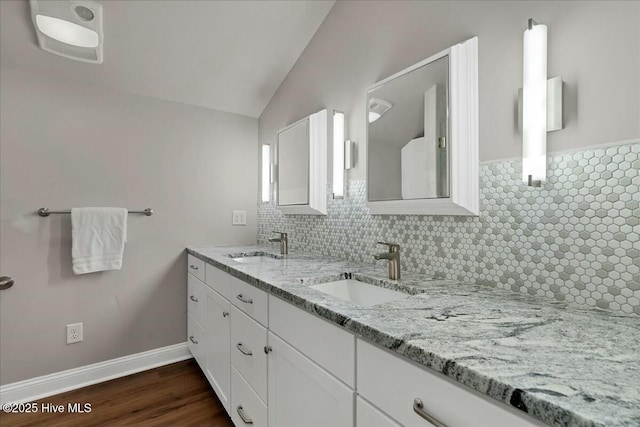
(293, 163)
(408, 133)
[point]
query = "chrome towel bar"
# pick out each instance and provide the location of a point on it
(47, 212)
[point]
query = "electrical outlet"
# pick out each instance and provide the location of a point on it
(74, 333)
(239, 218)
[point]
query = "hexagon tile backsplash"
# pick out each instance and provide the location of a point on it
(575, 239)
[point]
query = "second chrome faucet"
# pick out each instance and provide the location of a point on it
(284, 242)
(394, 259)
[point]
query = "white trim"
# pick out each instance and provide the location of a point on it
(60, 382)
(632, 141)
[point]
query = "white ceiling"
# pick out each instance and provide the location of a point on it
(225, 55)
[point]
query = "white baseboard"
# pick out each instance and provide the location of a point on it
(60, 382)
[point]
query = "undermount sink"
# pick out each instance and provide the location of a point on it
(253, 257)
(359, 293)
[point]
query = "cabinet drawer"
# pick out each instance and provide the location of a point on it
(326, 344)
(250, 300)
(393, 384)
(248, 340)
(196, 341)
(246, 407)
(195, 298)
(219, 280)
(370, 416)
(195, 266)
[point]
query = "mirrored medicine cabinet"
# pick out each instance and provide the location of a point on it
(302, 166)
(422, 136)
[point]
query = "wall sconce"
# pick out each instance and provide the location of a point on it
(267, 173)
(534, 105)
(338, 154)
(540, 104)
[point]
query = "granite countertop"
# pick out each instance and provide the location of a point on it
(564, 365)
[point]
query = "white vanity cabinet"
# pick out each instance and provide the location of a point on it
(396, 386)
(195, 308)
(312, 373)
(273, 364)
(218, 353)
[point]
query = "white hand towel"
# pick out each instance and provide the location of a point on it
(98, 237)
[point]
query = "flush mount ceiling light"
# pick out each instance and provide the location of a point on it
(377, 107)
(72, 29)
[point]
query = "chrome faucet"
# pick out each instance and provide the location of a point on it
(394, 259)
(284, 242)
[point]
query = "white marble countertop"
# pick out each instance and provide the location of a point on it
(563, 365)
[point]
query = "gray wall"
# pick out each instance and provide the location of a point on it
(595, 46)
(66, 145)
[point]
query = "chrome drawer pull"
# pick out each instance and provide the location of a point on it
(194, 299)
(193, 340)
(193, 267)
(244, 300)
(245, 419)
(267, 349)
(418, 408)
(6, 282)
(246, 353)
(225, 313)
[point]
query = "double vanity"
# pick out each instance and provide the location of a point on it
(309, 340)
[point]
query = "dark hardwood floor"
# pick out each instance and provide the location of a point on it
(172, 395)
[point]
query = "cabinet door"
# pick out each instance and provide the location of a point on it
(218, 356)
(301, 393)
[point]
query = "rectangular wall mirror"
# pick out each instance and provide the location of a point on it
(422, 137)
(302, 166)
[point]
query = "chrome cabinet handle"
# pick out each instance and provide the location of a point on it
(225, 313)
(244, 300)
(193, 340)
(245, 352)
(244, 417)
(194, 299)
(193, 267)
(6, 282)
(418, 408)
(267, 349)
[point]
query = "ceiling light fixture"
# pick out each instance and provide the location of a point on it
(377, 108)
(72, 29)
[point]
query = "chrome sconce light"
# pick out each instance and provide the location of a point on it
(540, 104)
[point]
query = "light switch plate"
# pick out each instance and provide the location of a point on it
(239, 218)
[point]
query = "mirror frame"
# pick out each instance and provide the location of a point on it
(464, 179)
(317, 191)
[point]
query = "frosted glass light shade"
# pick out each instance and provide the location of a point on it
(67, 32)
(338, 154)
(266, 173)
(534, 105)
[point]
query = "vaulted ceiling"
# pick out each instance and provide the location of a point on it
(225, 55)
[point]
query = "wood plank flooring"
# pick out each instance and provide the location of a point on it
(172, 395)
